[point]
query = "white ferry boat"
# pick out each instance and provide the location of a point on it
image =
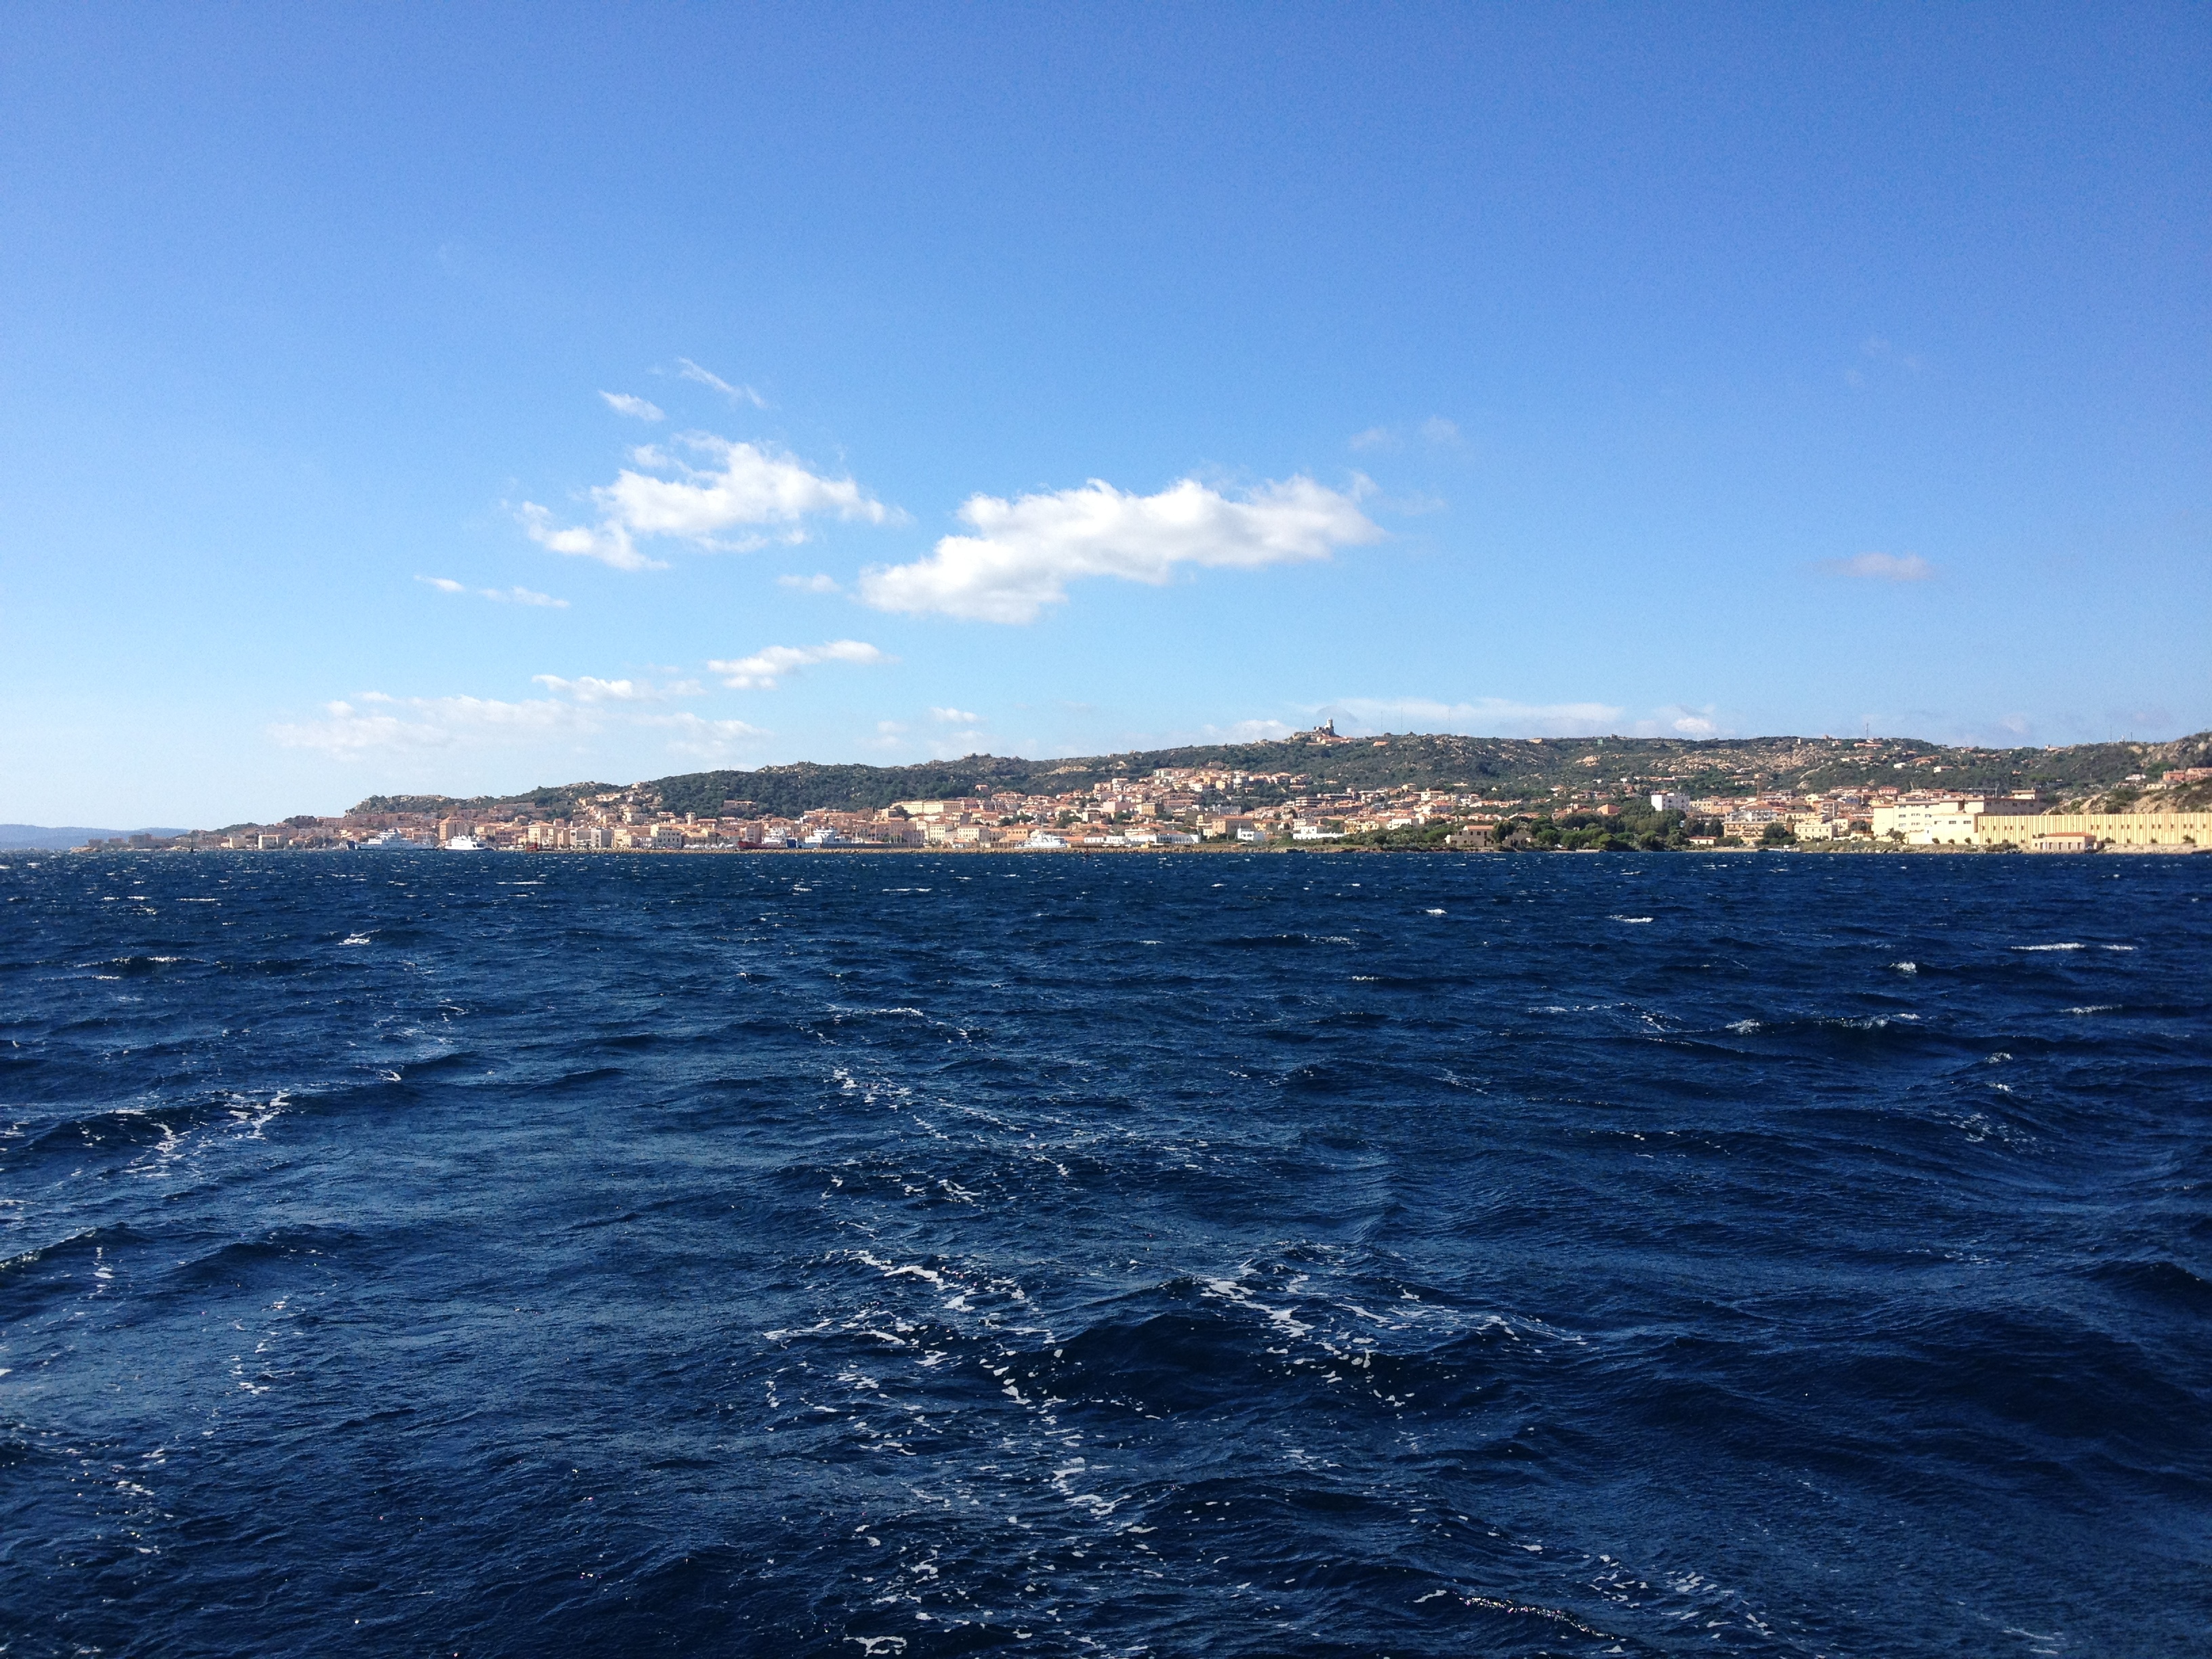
(464, 844)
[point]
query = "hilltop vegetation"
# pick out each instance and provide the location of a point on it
(1499, 766)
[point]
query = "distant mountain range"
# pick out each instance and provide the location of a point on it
(60, 837)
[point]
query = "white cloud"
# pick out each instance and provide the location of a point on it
(741, 485)
(1249, 732)
(1882, 567)
(809, 584)
(1876, 347)
(589, 688)
(955, 717)
(609, 544)
(1026, 551)
(761, 671)
(373, 723)
(692, 734)
(1499, 717)
(1436, 430)
(1681, 721)
(418, 723)
(505, 596)
(1503, 717)
(687, 370)
(622, 403)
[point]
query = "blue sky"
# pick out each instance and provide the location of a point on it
(465, 399)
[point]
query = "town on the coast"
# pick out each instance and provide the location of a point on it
(1340, 792)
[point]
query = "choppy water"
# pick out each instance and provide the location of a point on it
(1204, 1256)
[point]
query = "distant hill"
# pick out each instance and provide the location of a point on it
(1493, 766)
(59, 838)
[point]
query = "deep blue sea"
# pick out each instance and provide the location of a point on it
(430, 1254)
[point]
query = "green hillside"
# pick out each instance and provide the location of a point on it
(1496, 767)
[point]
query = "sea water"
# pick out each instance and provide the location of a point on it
(916, 1254)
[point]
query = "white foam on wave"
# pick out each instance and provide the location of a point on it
(1230, 1291)
(255, 1116)
(2096, 1008)
(2050, 947)
(1630, 920)
(1906, 967)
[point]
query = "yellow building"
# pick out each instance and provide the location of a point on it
(2174, 830)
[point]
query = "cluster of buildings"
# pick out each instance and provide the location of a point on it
(1173, 806)
(2023, 822)
(2020, 818)
(1185, 806)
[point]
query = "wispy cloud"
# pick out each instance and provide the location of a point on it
(502, 595)
(1682, 722)
(623, 403)
(1026, 551)
(687, 370)
(739, 487)
(1500, 717)
(705, 739)
(809, 584)
(1505, 717)
(589, 688)
(955, 717)
(1882, 567)
(1880, 353)
(1247, 732)
(1437, 432)
(761, 670)
(374, 722)
(1878, 350)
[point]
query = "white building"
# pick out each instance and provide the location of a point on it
(1946, 820)
(1669, 800)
